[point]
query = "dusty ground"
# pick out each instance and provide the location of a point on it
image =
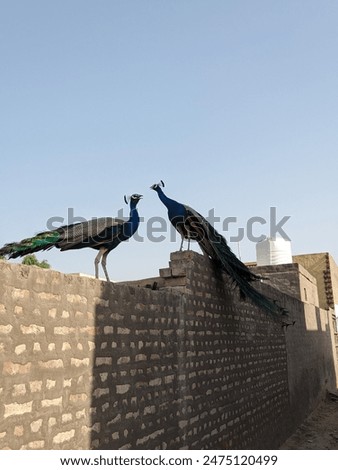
(320, 430)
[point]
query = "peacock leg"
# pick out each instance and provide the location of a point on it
(104, 264)
(181, 247)
(97, 261)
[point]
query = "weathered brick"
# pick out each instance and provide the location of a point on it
(121, 389)
(32, 329)
(76, 397)
(50, 384)
(52, 364)
(155, 382)
(107, 330)
(149, 410)
(89, 330)
(98, 392)
(100, 361)
(11, 368)
(81, 414)
(34, 445)
(165, 272)
(178, 271)
(65, 418)
(36, 347)
(20, 349)
(123, 360)
(76, 298)
(51, 422)
(140, 357)
(18, 431)
(79, 362)
(35, 386)
(49, 296)
(19, 293)
(19, 389)
(17, 408)
(52, 312)
(36, 425)
(123, 331)
(51, 402)
(63, 330)
(5, 329)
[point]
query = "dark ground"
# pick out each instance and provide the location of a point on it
(320, 430)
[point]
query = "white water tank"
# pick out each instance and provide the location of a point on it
(273, 251)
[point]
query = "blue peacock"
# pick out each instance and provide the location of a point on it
(103, 234)
(193, 226)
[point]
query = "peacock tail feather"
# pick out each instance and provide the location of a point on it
(216, 247)
(42, 241)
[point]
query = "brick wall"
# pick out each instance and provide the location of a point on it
(86, 364)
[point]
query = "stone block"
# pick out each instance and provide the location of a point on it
(179, 271)
(52, 364)
(21, 348)
(36, 425)
(122, 389)
(63, 436)
(176, 282)
(12, 368)
(5, 329)
(32, 329)
(17, 408)
(19, 389)
(51, 402)
(165, 272)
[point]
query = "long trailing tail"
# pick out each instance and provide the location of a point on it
(216, 247)
(241, 275)
(42, 241)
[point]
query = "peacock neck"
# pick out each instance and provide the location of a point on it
(133, 215)
(174, 208)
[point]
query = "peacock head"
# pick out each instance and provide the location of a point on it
(157, 186)
(133, 198)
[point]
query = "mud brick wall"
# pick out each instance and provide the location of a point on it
(90, 365)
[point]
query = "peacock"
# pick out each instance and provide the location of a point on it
(193, 226)
(103, 234)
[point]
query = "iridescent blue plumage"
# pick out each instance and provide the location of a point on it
(193, 226)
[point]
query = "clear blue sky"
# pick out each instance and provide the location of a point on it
(233, 103)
